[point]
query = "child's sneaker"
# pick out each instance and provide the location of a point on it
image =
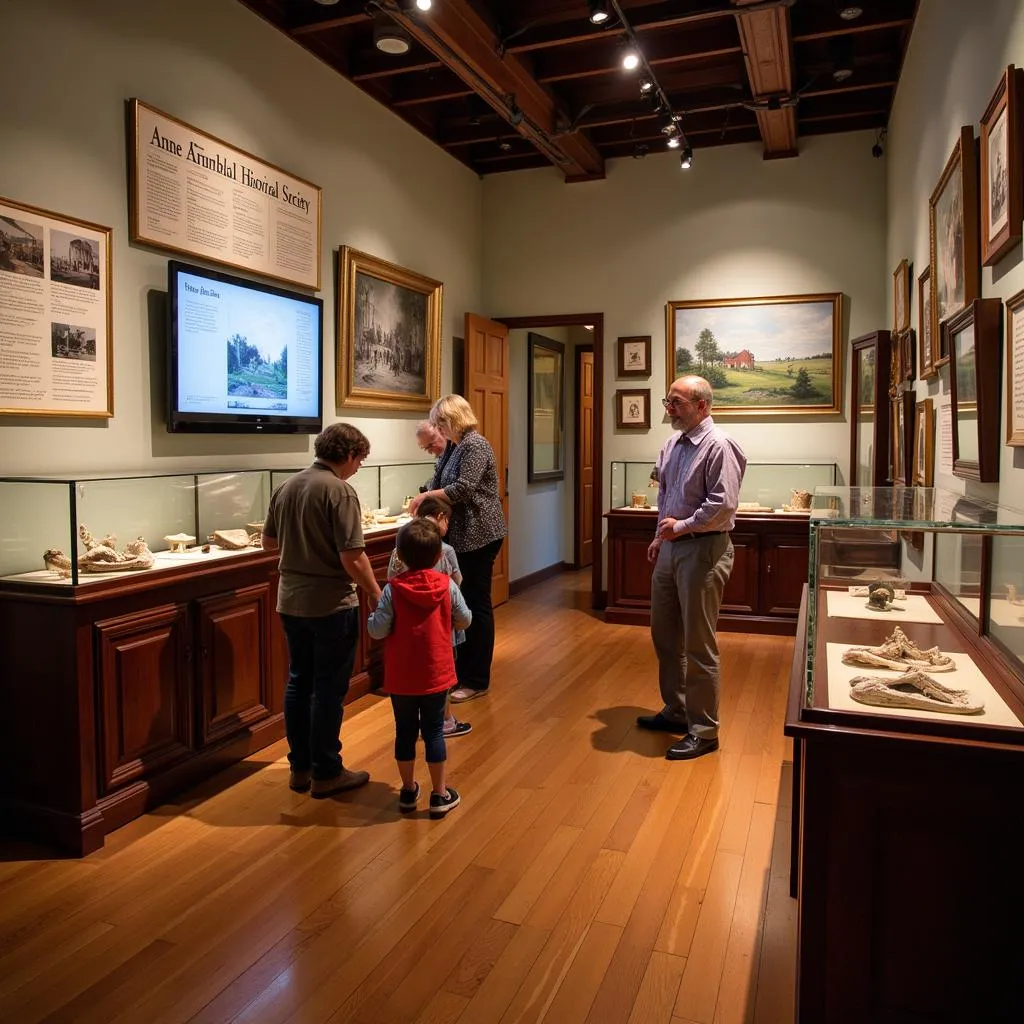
(441, 805)
(453, 727)
(407, 798)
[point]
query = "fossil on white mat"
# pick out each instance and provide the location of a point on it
(101, 555)
(913, 690)
(900, 653)
(235, 540)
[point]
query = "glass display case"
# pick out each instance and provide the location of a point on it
(768, 487)
(915, 613)
(70, 531)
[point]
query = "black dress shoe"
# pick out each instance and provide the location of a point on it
(659, 723)
(690, 747)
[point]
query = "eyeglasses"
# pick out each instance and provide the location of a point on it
(675, 400)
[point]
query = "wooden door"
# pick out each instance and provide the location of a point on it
(584, 500)
(486, 389)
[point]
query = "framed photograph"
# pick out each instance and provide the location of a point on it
(55, 284)
(953, 237)
(924, 444)
(869, 410)
(900, 417)
(1015, 370)
(633, 357)
(1001, 186)
(633, 409)
(545, 419)
(192, 193)
(388, 353)
(772, 356)
(927, 354)
(901, 297)
(974, 339)
(908, 354)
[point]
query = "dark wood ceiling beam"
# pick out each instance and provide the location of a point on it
(456, 34)
(355, 15)
(853, 29)
(767, 46)
(439, 93)
(845, 115)
(383, 71)
(657, 63)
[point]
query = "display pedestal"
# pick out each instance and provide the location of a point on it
(763, 592)
(906, 851)
(118, 693)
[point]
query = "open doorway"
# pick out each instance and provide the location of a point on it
(594, 479)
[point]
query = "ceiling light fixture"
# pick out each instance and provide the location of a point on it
(599, 12)
(686, 157)
(631, 60)
(851, 12)
(646, 85)
(674, 142)
(389, 37)
(419, 5)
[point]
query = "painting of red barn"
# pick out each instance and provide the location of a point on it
(773, 355)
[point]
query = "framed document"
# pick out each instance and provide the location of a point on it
(195, 194)
(56, 349)
(1015, 370)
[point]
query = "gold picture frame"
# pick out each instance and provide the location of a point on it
(924, 444)
(765, 372)
(388, 335)
(901, 297)
(48, 251)
(927, 347)
(1002, 194)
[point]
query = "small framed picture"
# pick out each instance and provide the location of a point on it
(901, 297)
(1001, 181)
(633, 409)
(634, 356)
(908, 345)
(924, 444)
(928, 355)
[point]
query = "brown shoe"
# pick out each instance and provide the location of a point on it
(299, 781)
(322, 788)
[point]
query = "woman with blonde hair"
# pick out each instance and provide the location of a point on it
(468, 480)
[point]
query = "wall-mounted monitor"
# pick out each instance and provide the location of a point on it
(242, 357)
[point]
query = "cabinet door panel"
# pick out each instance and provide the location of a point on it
(234, 630)
(631, 571)
(741, 592)
(784, 572)
(144, 669)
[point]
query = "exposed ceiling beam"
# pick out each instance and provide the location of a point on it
(767, 47)
(456, 34)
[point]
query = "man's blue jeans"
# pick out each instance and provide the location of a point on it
(321, 654)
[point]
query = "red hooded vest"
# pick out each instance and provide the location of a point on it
(418, 651)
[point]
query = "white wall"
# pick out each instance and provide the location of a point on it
(734, 225)
(66, 70)
(956, 56)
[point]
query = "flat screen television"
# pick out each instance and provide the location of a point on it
(242, 357)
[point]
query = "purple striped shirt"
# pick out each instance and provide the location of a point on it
(699, 477)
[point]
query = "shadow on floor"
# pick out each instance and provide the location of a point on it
(619, 731)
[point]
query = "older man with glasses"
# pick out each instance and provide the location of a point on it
(699, 472)
(430, 440)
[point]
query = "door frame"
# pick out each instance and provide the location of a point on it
(598, 595)
(577, 389)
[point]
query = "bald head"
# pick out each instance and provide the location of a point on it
(695, 388)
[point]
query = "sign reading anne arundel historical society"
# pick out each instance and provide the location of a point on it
(193, 193)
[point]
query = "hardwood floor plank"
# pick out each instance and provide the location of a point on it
(583, 878)
(658, 990)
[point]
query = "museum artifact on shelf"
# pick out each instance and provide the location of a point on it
(899, 653)
(914, 690)
(101, 556)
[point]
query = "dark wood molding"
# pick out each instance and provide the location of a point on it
(540, 576)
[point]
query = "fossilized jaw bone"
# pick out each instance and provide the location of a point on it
(927, 694)
(101, 556)
(899, 653)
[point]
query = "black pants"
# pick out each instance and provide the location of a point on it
(473, 666)
(422, 714)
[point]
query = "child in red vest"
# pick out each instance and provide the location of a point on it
(416, 613)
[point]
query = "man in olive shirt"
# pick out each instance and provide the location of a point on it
(314, 522)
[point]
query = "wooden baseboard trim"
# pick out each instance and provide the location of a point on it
(525, 582)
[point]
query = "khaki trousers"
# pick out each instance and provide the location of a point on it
(686, 593)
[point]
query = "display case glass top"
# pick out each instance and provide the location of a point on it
(768, 487)
(915, 613)
(70, 531)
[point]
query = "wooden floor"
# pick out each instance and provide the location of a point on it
(583, 879)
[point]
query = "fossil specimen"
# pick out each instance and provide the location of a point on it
(881, 595)
(101, 555)
(235, 540)
(800, 501)
(899, 653)
(179, 542)
(913, 690)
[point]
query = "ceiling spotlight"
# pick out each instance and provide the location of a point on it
(841, 52)
(686, 157)
(599, 12)
(850, 12)
(631, 60)
(674, 142)
(646, 85)
(390, 38)
(419, 5)
(666, 125)
(504, 146)
(424, 5)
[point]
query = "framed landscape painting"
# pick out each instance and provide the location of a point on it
(388, 353)
(774, 356)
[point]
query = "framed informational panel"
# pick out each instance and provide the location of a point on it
(1015, 370)
(56, 347)
(195, 194)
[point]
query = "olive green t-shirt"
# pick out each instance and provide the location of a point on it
(314, 516)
